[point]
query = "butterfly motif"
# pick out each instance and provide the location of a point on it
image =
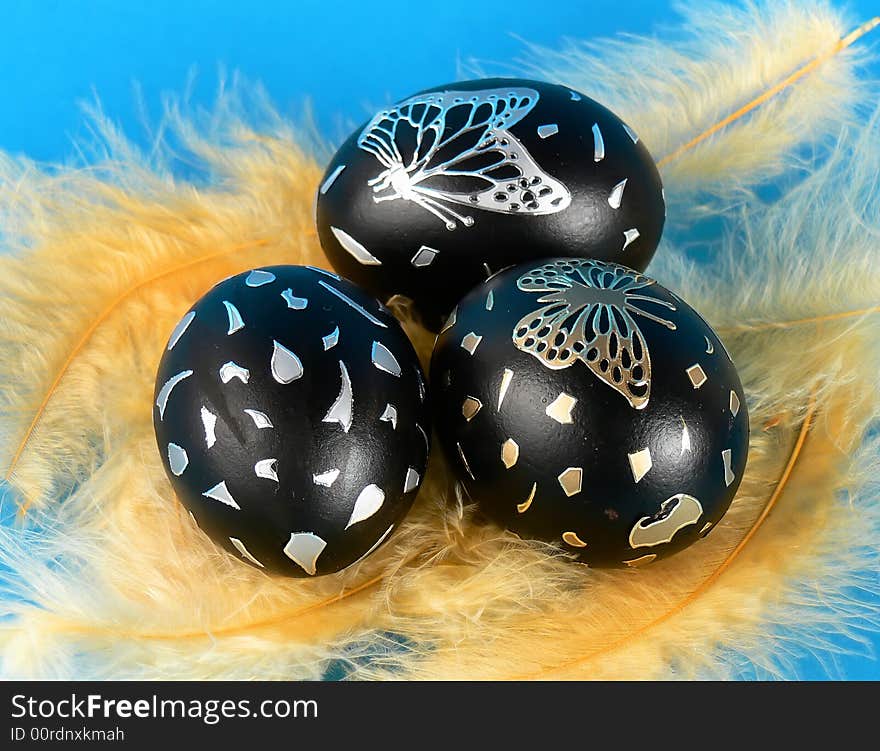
(588, 316)
(455, 147)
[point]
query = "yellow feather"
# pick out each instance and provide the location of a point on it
(111, 579)
(722, 57)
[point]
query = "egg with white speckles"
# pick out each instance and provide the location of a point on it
(291, 416)
(586, 405)
(448, 186)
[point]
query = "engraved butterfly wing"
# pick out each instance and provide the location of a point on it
(586, 318)
(454, 147)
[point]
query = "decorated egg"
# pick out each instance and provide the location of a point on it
(586, 405)
(438, 191)
(291, 416)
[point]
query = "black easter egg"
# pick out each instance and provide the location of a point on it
(442, 189)
(291, 416)
(586, 405)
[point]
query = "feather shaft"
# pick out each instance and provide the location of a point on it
(804, 70)
(87, 334)
(227, 631)
(801, 321)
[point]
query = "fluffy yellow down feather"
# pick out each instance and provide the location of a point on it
(108, 577)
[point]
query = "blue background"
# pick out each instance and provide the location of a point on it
(341, 58)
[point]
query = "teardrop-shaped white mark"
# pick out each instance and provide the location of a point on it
(240, 547)
(331, 340)
(710, 349)
(617, 194)
(294, 302)
(261, 419)
(326, 478)
(178, 460)
(368, 503)
(598, 144)
(341, 410)
(180, 329)
(235, 321)
(265, 468)
(390, 415)
(286, 366)
(571, 538)
(490, 300)
(354, 248)
(221, 493)
(351, 303)
(165, 391)
(258, 277)
(209, 422)
(230, 370)
(384, 360)
(331, 178)
(304, 549)
(411, 481)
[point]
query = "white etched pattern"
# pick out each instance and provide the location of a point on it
(231, 370)
(341, 411)
(304, 549)
(209, 423)
(258, 277)
(221, 493)
(285, 365)
(354, 248)
(165, 391)
(180, 329)
(368, 502)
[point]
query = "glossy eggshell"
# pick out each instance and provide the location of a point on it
(291, 416)
(616, 471)
(377, 207)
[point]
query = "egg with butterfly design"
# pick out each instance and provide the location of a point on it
(584, 404)
(442, 189)
(291, 417)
